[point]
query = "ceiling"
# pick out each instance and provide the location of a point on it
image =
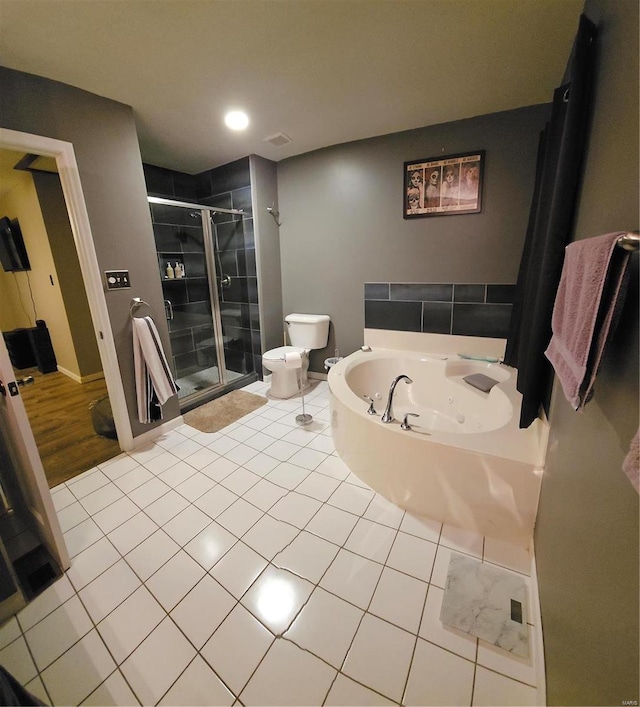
(321, 71)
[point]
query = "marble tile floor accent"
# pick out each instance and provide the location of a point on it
(250, 566)
(487, 602)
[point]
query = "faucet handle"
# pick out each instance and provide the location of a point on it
(371, 410)
(405, 424)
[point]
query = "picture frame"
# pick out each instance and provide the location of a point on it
(443, 186)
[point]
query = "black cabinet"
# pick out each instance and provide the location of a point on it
(43, 349)
(31, 347)
(19, 348)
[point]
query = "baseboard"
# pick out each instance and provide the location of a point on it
(146, 437)
(538, 639)
(317, 376)
(81, 379)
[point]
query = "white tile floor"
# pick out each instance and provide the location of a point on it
(250, 566)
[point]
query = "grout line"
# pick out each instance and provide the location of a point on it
(270, 562)
(94, 627)
(35, 665)
(104, 643)
(504, 675)
(326, 697)
(473, 681)
(417, 634)
(315, 586)
(167, 615)
(255, 670)
(76, 592)
(198, 654)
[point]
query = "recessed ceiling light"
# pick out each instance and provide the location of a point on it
(236, 120)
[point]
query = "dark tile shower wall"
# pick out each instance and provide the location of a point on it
(169, 184)
(465, 310)
(228, 187)
(179, 238)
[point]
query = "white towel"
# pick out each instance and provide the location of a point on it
(154, 381)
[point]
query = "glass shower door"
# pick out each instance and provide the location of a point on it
(183, 236)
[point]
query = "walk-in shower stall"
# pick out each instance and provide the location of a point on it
(205, 320)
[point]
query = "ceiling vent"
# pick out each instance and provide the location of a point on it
(278, 140)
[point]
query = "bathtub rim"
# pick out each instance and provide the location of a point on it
(507, 442)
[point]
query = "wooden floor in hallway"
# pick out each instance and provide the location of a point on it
(60, 418)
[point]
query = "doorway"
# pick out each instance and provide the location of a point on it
(62, 155)
(46, 321)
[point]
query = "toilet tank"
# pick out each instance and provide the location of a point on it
(308, 331)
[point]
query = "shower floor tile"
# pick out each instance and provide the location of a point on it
(274, 578)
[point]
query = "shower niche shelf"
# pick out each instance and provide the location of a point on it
(171, 257)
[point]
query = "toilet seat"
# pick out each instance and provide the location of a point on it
(278, 354)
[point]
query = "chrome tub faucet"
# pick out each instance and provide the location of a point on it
(387, 416)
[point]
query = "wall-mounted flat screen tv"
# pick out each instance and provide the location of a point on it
(13, 253)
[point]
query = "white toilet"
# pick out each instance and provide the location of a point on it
(306, 332)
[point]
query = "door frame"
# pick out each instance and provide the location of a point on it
(69, 174)
(26, 464)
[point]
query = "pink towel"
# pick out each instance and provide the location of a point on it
(589, 296)
(631, 463)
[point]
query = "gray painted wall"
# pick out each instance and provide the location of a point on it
(342, 225)
(587, 531)
(264, 191)
(65, 257)
(105, 142)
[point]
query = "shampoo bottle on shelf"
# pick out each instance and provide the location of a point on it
(179, 270)
(170, 272)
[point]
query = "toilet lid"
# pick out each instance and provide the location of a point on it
(278, 354)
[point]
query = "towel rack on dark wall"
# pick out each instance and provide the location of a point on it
(629, 241)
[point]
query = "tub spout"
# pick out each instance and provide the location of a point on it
(388, 415)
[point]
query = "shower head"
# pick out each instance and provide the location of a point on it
(195, 214)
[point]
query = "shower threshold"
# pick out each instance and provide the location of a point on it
(201, 386)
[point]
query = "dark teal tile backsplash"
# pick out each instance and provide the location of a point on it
(403, 316)
(461, 309)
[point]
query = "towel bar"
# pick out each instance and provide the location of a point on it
(136, 302)
(629, 241)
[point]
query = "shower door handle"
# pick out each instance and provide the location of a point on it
(168, 310)
(225, 281)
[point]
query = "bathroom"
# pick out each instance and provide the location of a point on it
(587, 519)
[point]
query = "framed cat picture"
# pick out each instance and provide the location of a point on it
(440, 186)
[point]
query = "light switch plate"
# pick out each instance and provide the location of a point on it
(117, 279)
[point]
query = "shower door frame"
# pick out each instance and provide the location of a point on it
(207, 213)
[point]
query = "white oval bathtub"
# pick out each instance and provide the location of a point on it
(464, 462)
